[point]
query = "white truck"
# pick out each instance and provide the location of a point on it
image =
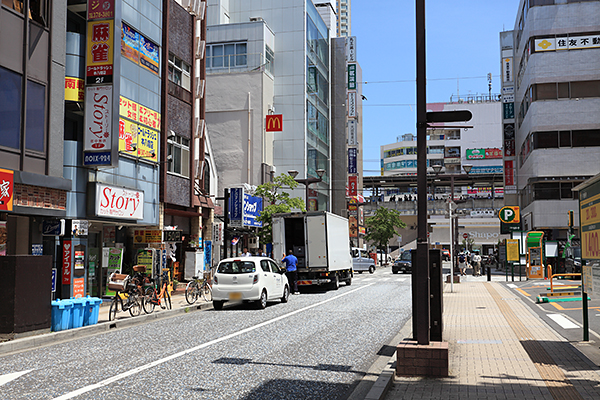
(321, 242)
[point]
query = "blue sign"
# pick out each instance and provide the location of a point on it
(37, 249)
(236, 211)
(252, 209)
(53, 280)
(102, 158)
(352, 153)
(208, 253)
(491, 169)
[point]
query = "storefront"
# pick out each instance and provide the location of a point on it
(482, 234)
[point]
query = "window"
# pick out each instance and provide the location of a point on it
(586, 138)
(226, 55)
(269, 59)
(179, 72)
(10, 109)
(546, 140)
(36, 116)
(178, 155)
(38, 9)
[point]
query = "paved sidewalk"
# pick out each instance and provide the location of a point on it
(499, 349)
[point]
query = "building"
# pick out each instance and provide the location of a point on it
(344, 18)
(550, 71)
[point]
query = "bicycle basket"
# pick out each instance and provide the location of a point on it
(118, 282)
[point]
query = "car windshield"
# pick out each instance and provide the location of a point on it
(236, 267)
(406, 256)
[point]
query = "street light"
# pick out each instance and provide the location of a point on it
(307, 181)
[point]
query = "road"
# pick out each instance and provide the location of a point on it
(317, 346)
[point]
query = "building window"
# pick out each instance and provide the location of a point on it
(226, 55)
(38, 9)
(10, 109)
(179, 72)
(36, 116)
(269, 59)
(178, 155)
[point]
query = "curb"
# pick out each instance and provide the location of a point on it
(31, 342)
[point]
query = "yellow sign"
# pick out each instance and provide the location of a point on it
(74, 89)
(512, 250)
(138, 113)
(589, 215)
(99, 60)
(138, 140)
(128, 137)
(147, 236)
(147, 143)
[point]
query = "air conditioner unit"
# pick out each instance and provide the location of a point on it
(199, 128)
(202, 11)
(200, 47)
(253, 243)
(200, 85)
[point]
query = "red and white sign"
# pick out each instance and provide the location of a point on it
(115, 202)
(6, 190)
(509, 173)
(274, 123)
(66, 269)
(98, 118)
(100, 9)
(78, 288)
(352, 185)
(465, 235)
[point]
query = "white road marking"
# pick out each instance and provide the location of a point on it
(564, 322)
(368, 279)
(512, 286)
(141, 368)
(384, 279)
(4, 379)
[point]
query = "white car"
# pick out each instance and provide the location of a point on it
(249, 279)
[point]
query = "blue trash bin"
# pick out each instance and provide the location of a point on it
(92, 311)
(62, 311)
(78, 311)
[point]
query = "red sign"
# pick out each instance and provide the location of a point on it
(66, 270)
(6, 190)
(509, 173)
(493, 153)
(353, 185)
(78, 287)
(274, 123)
(101, 9)
(465, 235)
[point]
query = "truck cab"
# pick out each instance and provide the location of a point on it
(361, 261)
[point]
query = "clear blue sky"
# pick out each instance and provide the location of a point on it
(462, 48)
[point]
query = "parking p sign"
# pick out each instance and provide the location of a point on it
(510, 215)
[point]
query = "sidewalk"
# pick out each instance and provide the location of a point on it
(498, 349)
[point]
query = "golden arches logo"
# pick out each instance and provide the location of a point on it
(274, 123)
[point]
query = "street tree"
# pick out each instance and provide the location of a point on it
(276, 200)
(382, 226)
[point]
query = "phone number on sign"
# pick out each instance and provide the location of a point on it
(95, 159)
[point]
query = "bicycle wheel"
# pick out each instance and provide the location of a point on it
(149, 300)
(114, 308)
(191, 292)
(167, 299)
(206, 292)
(135, 307)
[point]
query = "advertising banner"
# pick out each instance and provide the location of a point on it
(128, 137)
(138, 113)
(112, 260)
(6, 189)
(100, 9)
(74, 89)
(252, 208)
(147, 147)
(351, 76)
(98, 117)
(352, 133)
(99, 59)
(352, 155)
(589, 216)
(66, 264)
(148, 54)
(352, 185)
(236, 198)
(130, 46)
(351, 104)
(116, 202)
(147, 236)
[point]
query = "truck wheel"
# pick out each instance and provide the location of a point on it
(335, 284)
(371, 269)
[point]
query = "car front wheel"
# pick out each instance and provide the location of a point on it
(371, 269)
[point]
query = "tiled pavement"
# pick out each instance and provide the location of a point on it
(500, 349)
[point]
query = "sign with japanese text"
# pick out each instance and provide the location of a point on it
(351, 48)
(78, 288)
(589, 216)
(351, 76)
(253, 207)
(116, 202)
(74, 89)
(98, 118)
(351, 104)
(507, 72)
(128, 137)
(148, 54)
(6, 189)
(567, 43)
(147, 143)
(509, 148)
(352, 133)
(353, 185)
(509, 110)
(138, 113)
(352, 155)
(130, 43)
(484, 154)
(509, 173)
(274, 123)
(99, 60)
(236, 199)
(512, 250)
(66, 264)
(147, 236)
(508, 98)
(100, 9)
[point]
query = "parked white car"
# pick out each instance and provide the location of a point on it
(361, 261)
(249, 279)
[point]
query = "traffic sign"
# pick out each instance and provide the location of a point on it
(465, 235)
(510, 215)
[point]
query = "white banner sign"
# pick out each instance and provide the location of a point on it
(567, 43)
(116, 202)
(98, 118)
(508, 98)
(352, 133)
(351, 49)
(507, 72)
(351, 104)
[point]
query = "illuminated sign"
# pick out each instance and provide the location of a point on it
(274, 123)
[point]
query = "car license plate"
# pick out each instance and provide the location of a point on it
(235, 296)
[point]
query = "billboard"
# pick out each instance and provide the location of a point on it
(236, 198)
(352, 155)
(97, 135)
(252, 208)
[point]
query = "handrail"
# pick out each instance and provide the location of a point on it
(552, 277)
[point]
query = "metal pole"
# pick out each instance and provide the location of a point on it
(422, 298)
(225, 221)
(451, 247)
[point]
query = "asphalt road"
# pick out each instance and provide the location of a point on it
(317, 346)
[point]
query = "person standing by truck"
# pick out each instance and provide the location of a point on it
(291, 263)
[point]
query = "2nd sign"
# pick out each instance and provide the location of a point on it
(510, 215)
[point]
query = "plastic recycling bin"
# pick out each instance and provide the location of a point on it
(78, 311)
(62, 311)
(92, 310)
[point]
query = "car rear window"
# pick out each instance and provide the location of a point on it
(236, 267)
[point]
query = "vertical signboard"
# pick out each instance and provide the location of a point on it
(352, 155)
(6, 189)
(507, 70)
(98, 118)
(353, 185)
(100, 52)
(351, 76)
(236, 198)
(352, 133)
(253, 207)
(351, 104)
(351, 49)
(66, 264)
(589, 216)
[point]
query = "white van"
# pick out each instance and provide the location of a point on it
(361, 261)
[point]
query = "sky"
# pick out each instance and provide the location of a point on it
(463, 46)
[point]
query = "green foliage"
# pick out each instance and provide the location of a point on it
(276, 200)
(382, 226)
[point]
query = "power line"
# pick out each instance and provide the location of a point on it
(430, 79)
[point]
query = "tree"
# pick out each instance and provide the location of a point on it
(381, 227)
(276, 200)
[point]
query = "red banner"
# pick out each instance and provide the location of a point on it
(353, 185)
(6, 190)
(509, 173)
(66, 270)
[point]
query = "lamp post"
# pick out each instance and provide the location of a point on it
(307, 181)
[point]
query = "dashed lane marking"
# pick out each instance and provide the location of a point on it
(564, 322)
(4, 379)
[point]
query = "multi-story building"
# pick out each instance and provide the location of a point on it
(344, 23)
(556, 86)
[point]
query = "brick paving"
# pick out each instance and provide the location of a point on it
(500, 349)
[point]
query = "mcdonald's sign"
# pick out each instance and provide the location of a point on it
(274, 123)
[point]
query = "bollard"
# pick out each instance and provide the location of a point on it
(489, 272)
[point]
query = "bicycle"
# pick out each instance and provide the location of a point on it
(196, 288)
(126, 298)
(153, 298)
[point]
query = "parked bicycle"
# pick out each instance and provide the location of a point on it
(153, 298)
(127, 296)
(196, 288)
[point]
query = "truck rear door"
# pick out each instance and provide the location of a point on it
(278, 239)
(316, 241)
